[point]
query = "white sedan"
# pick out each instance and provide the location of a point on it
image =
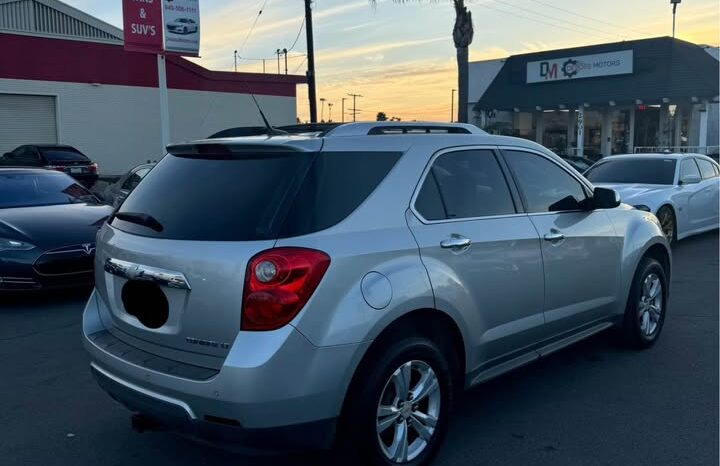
(682, 190)
(182, 26)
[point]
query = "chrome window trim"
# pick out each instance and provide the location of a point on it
(181, 404)
(426, 171)
(132, 271)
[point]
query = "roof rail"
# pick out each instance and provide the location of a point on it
(395, 127)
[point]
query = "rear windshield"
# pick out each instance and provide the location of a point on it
(63, 155)
(38, 189)
(254, 196)
(641, 171)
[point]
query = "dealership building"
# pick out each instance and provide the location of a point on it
(633, 96)
(66, 78)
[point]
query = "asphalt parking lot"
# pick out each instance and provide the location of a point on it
(593, 404)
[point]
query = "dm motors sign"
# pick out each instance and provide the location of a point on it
(586, 66)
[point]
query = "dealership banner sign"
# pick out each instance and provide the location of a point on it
(181, 19)
(585, 66)
(157, 26)
(143, 25)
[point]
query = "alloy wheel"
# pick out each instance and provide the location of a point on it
(650, 305)
(408, 411)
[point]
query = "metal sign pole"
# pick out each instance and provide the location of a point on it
(581, 131)
(164, 111)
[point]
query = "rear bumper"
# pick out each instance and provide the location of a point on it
(163, 413)
(273, 390)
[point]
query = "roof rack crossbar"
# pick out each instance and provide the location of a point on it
(405, 129)
(390, 128)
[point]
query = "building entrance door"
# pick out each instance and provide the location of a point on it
(647, 126)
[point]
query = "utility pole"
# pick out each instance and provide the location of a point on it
(278, 52)
(354, 109)
(311, 61)
(452, 106)
(322, 109)
(263, 65)
(330, 106)
(285, 52)
(236, 57)
(674, 3)
(343, 110)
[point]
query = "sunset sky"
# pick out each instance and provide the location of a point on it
(401, 57)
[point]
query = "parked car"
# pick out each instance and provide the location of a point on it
(182, 26)
(115, 193)
(349, 285)
(683, 190)
(581, 164)
(58, 157)
(48, 224)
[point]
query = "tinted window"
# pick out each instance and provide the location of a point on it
(642, 171)
(688, 167)
(135, 179)
(253, 196)
(334, 187)
(464, 184)
(27, 155)
(706, 168)
(63, 155)
(36, 189)
(545, 186)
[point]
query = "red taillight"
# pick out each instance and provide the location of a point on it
(93, 167)
(278, 283)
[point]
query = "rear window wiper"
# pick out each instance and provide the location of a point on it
(140, 219)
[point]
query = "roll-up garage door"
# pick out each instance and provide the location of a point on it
(26, 119)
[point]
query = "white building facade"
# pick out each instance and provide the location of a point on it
(65, 78)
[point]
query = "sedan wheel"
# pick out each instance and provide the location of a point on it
(408, 411)
(667, 223)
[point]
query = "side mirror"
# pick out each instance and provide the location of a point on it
(604, 198)
(690, 179)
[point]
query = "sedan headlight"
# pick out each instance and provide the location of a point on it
(643, 208)
(14, 245)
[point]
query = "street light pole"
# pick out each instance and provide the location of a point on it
(343, 110)
(674, 3)
(322, 109)
(235, 55)
(452, 106)
(311, 61)
(330, 106)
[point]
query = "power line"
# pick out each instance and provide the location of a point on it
(552, 18)
(542, 21)
(252, 28)
(300, 65)
(580, 15)
(302, 26)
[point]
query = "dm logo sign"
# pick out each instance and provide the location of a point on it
(587, 66)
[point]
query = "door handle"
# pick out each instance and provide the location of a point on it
(554, 236)
(456, 242)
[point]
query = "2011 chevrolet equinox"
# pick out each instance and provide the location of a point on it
(291, 291)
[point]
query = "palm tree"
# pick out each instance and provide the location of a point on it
(463, 33)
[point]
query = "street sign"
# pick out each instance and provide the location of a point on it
(143, 25)
(181, 23)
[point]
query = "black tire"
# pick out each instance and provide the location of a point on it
(668, 222)
(635, 334)
(358, 439)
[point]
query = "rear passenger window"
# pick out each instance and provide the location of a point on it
(706, 168)
(545, 186)
(689, 167)
(464, 184)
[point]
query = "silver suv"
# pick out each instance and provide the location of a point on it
(295, 291)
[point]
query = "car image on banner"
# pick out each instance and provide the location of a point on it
(182, 27)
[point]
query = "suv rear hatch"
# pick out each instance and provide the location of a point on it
(193, 224)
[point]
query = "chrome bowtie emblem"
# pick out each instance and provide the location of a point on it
(89, 248)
